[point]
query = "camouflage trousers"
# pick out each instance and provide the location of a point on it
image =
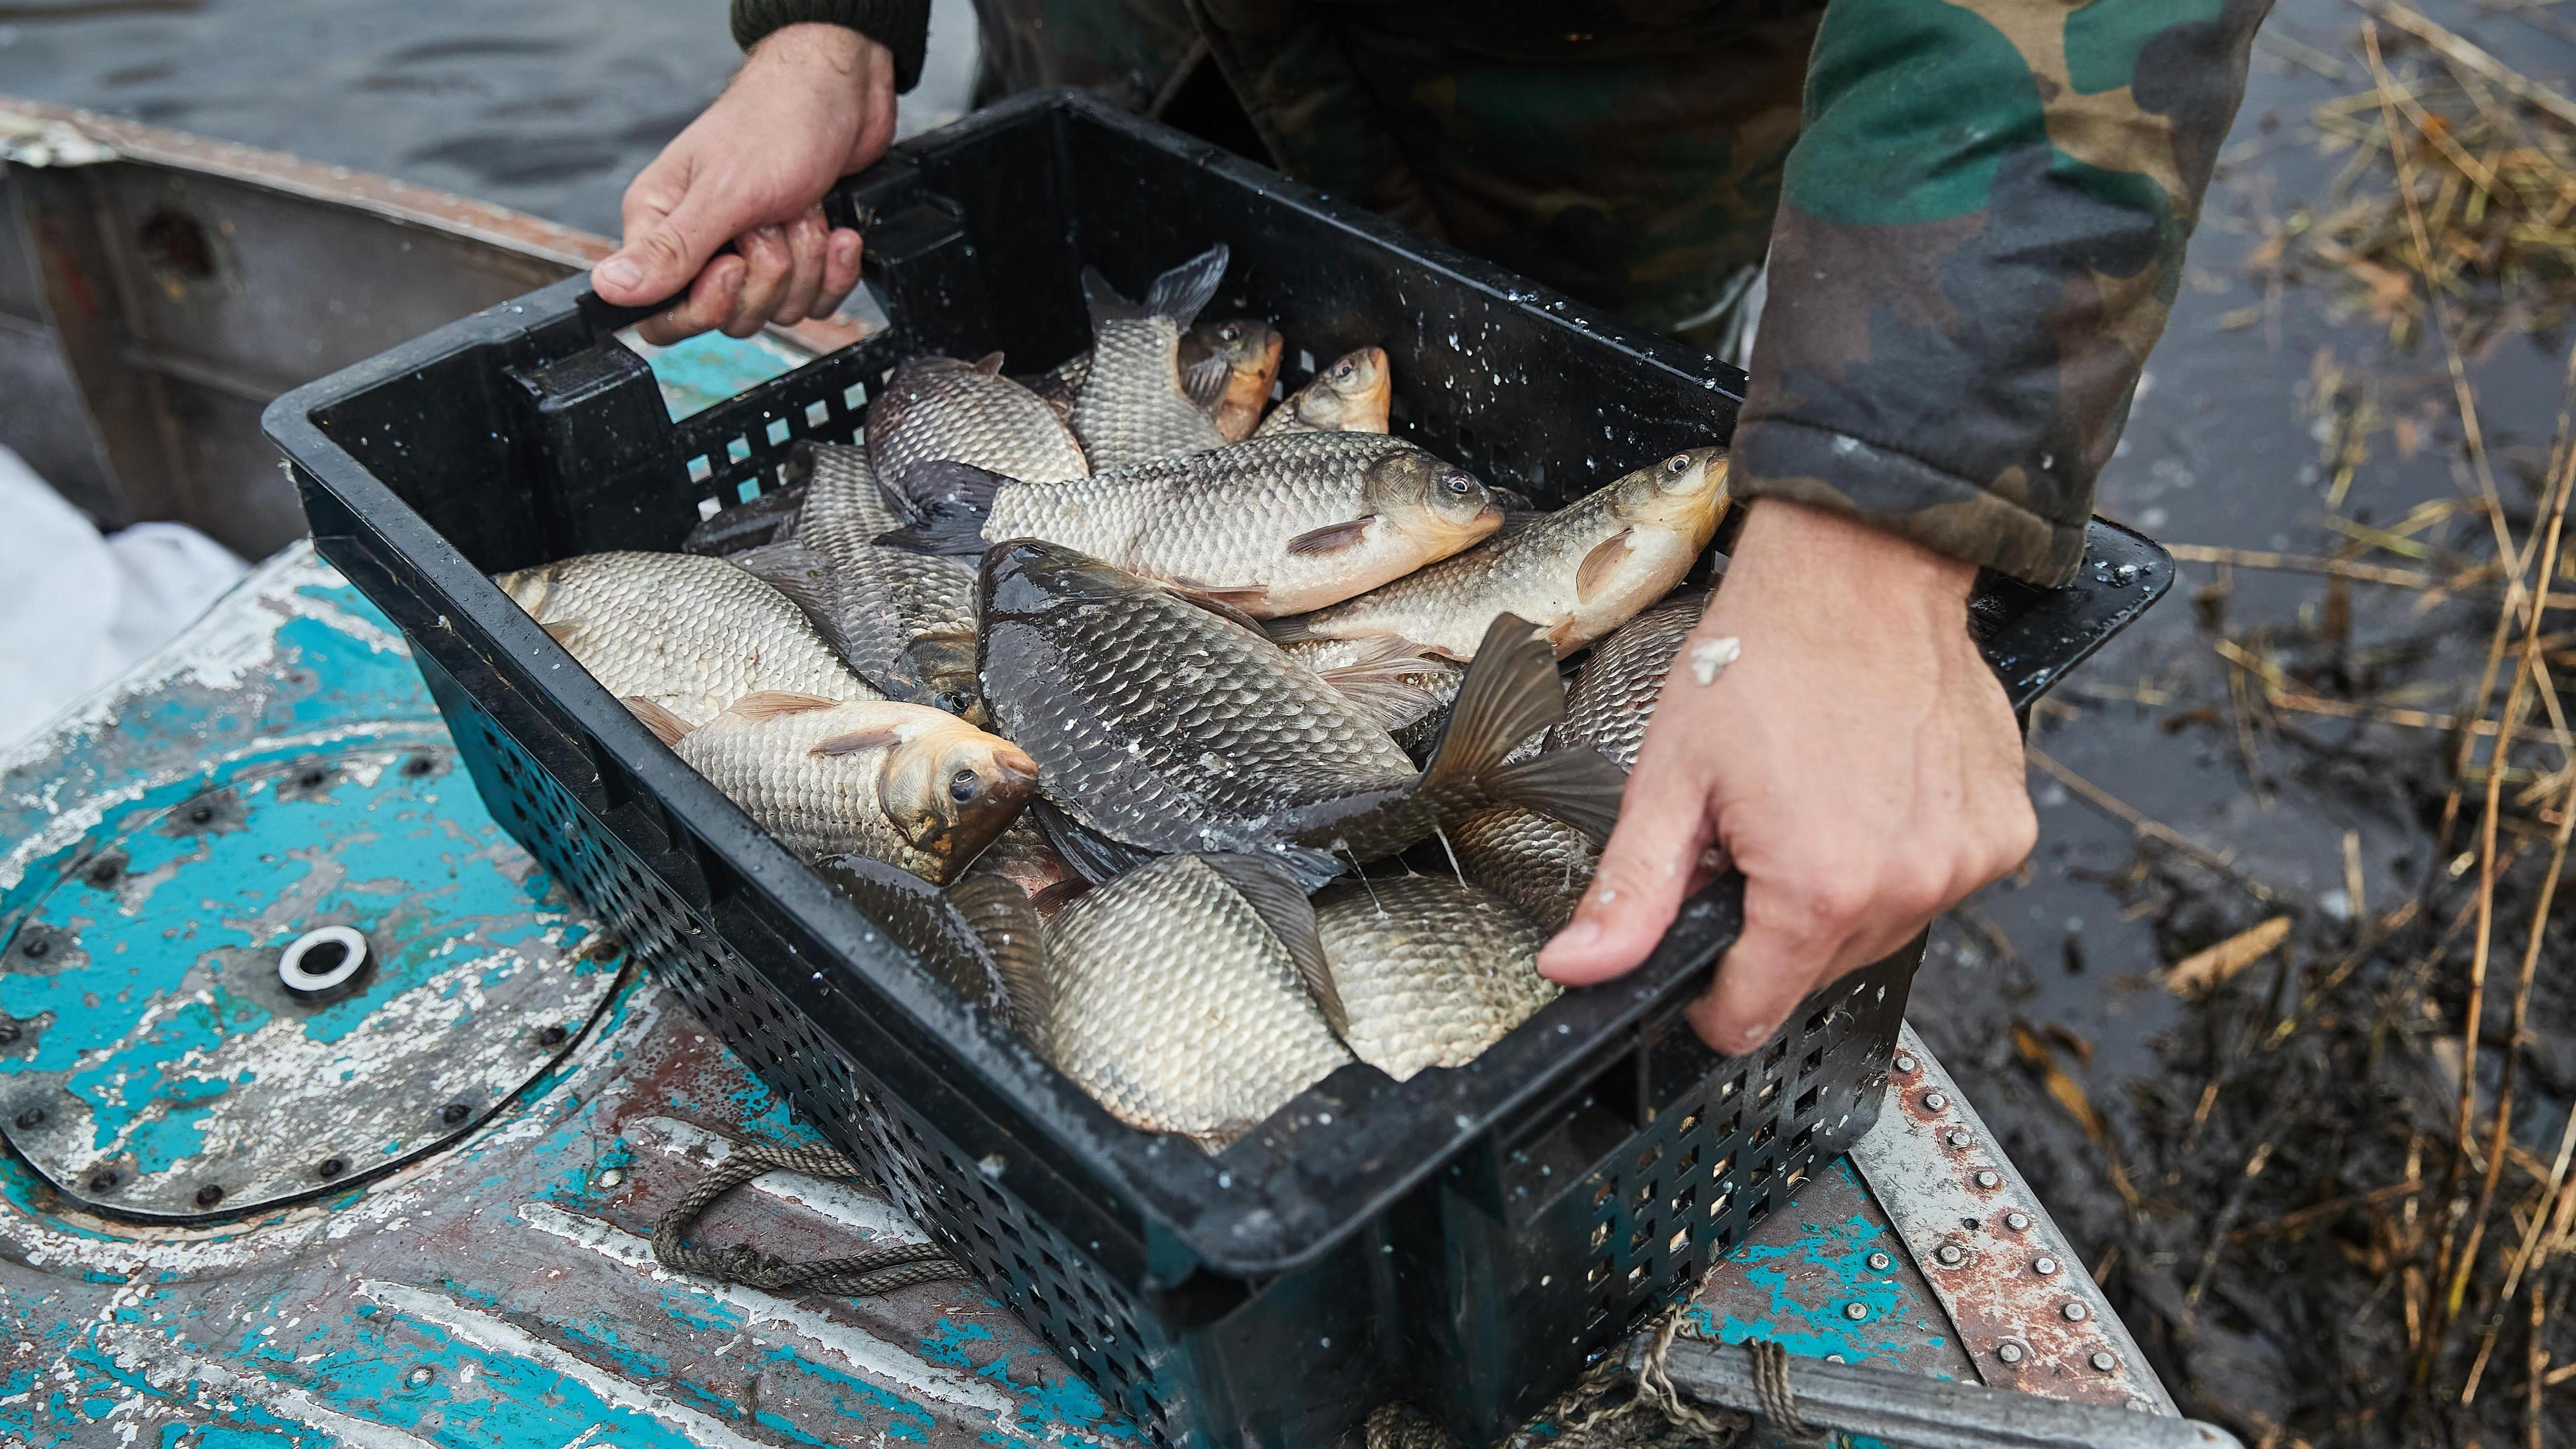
(1629, 154)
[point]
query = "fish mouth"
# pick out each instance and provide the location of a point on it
(1019, 771)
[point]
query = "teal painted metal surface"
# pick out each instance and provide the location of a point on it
(501, 1291)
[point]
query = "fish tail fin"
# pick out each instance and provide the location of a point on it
(1510, 693)
(948, 503)
(1278, 897)
(666, 726)
(1183, 291)
(1004, 918)
(1575, 787)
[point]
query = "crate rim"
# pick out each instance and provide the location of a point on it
(1226, 1210)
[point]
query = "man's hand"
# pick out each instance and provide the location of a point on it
(811, 104)
(1858, 763)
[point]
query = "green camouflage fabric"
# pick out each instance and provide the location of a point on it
(1980, 236)
(1975, 212)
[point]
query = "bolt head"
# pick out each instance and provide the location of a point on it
(1936, 1102)
(2103, 1361)
(2008, 1351)
(202, 815)
(210, 1194)
(1949, 1255)
(2076, 1312)
(103, 874)
(611, 1178)
(105, 1180)
(420, 1376)
(453, 1113)
(330, 1167)
(1957, 1137)
(1880, 1262)
(1904, 1063)
(2045, 1267)
(551, 1036)
(35, 948)
(32, 1117)
(1989, 1179)
(1855, 1311)
(2018, 1222)
(8, 1032)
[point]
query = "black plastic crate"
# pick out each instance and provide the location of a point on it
(1462, 1240)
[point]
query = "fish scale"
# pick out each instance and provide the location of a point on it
(1430, 971)
(1177, 1008)
(692, 634)
(1131, 408)
(939, 409)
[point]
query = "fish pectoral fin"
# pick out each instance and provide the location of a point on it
(875, 737)
(948, 503)
(765, 704)
(798, 571)
(1231, 602)
(1204, 381)
(1279, 899)
(1580, 787)
(1185, 290)
(566, 632)
(990, 364)
(1510, 693)
(1060, 895)
(1332, 538)
(1006, 921)
(666, 726)
(1601, 563)
(1382, 683)
(1292, 630)
(1098, 858)
(944, 661)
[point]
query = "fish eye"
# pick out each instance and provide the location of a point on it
(964, 786)
(1459, 485)
(1677, 464)
(1229, 333)
(1343, 369)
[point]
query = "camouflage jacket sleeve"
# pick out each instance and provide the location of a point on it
(901, 26)
(1980, 233)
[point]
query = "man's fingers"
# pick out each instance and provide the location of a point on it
(710, 301)
(840, 272)
(764, 278)
(806, 236)
(1645, 871)
(1762, 976)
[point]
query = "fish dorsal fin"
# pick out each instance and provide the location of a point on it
(1601, 563)
(1381, 683)
(1181, 292)
(1511, 692)
(1006, 922)
(667, 727)
(1276, 897)
(990, 364)
(874, 737)
(948, 503)
(1204, 381)
(767, 704)
(1332, 538)
(1230, 602)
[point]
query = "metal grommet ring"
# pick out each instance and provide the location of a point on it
(322, 960)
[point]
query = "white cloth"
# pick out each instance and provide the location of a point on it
(76, 610)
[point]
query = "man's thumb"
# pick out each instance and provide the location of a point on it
(659, 260)
(1645, 871)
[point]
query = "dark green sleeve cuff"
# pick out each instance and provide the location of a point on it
(901, 26)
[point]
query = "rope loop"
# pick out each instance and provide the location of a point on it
(859, 1275)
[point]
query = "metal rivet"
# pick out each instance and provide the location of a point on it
(1988, 1178)
(312, 779)
(202, 815)
(1958, 1137)
(104, 873)
(611, 1178)
(209, 1195)
(1934, 1101)
(2018, 1222)
(2103, 1360)
(1880, 1262)
(420, 1376)
(453, 1113)
(1905, 1063)
(104, 1180)
(550, 1036)
(32, 1117)
(2076, 1312)
(419, 765)
(1855, 1311)
(1949, 1255)
(2045, 1267)
(2008, 1351)
(331, 1167)
(35, 948)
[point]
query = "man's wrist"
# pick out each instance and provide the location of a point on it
(1819, 546)
(811, 44)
